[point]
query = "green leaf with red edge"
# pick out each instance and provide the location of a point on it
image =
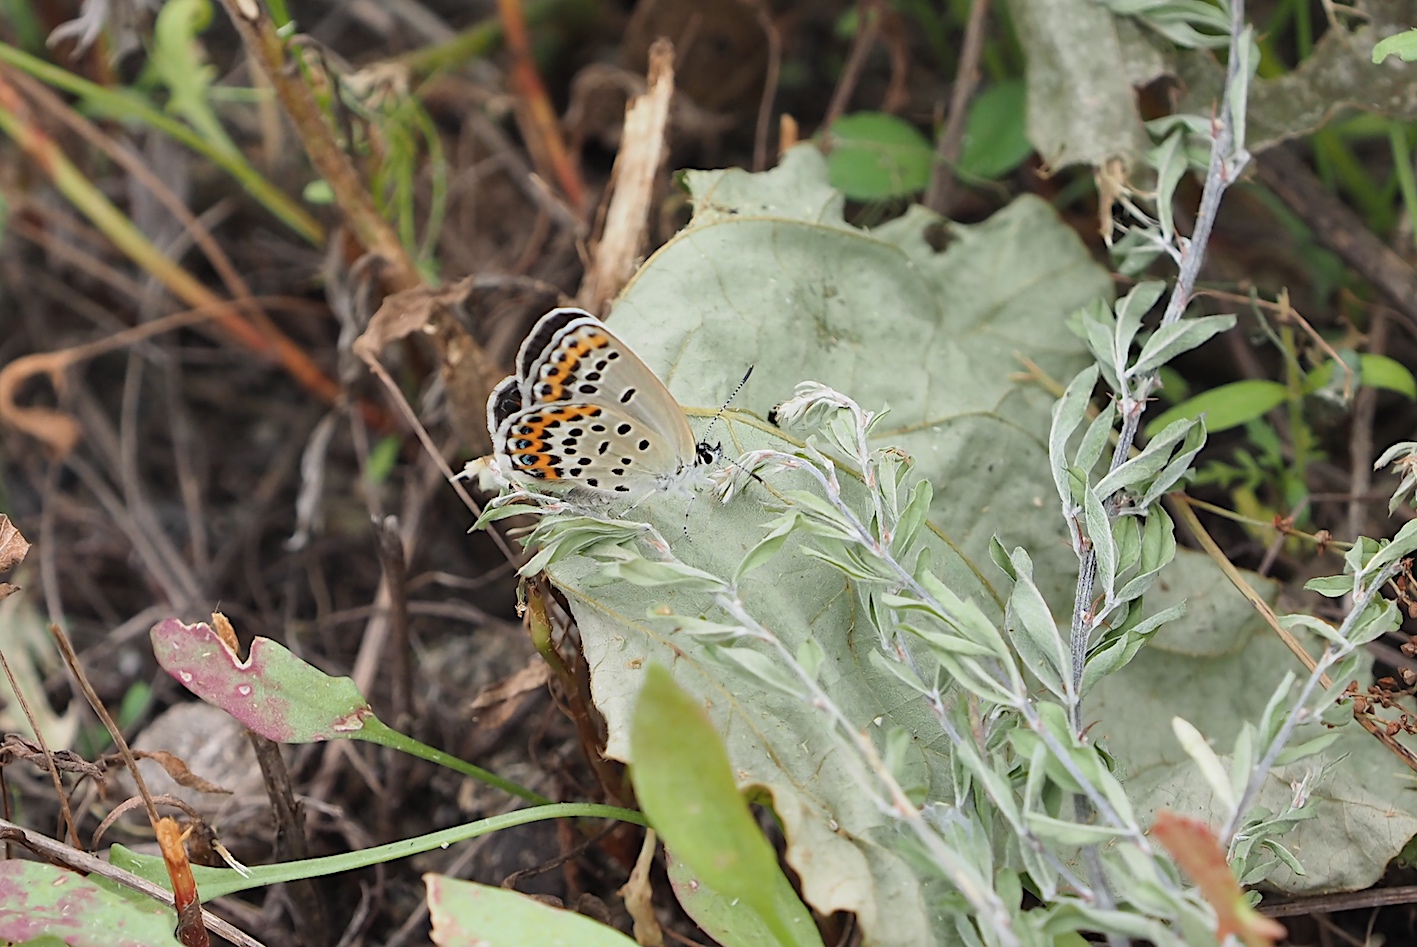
(272, 692)
(41, 900)
(465, 913)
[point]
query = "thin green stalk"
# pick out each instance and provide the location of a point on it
(1402, 169)
(375, 731)
(122, 104)
(217, 882)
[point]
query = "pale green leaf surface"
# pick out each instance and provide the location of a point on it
(768, 273)
(1081, 106)
(722, 918)
(467, 914)
(1361, 822)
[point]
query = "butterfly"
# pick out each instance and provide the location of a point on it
(583, 410)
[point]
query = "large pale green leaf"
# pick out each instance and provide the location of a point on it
(1081, 106)
(769, 274)
(1361, 820)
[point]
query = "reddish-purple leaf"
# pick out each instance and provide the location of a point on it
(37, 899)
(273, 692)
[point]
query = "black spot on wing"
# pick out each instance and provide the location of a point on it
(541, 336)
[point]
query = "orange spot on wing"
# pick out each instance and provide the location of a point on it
(558, 375)
(538, 458)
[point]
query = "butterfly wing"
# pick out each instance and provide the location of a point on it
(578, 360)
(587, 444)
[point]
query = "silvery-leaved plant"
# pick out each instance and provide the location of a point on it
(930, 726)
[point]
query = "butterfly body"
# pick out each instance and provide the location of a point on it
(584, 411)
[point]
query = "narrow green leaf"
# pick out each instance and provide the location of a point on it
(912, 517)
(1225, 407)
(1099, 533)
(1094, 442)
(1072, 833)
(684, 782)
(1179, 337)
(1152, 459)
(1068, 413)
(1330, 586)
(1039, 644)
(1170, 161)
(1131, 309)
(465, 913)
(1206, 759)
(1308, 748)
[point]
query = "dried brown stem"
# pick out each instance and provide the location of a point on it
(947, 146)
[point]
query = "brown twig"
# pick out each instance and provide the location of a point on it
(947, 146)
(868, 24)
(56, 428)
(1347, 901)
(267, 50)
(91, 865)
(1180, 505)
(537, 118)
(1339, 228)
(49, 764)
(1360, 438)
(770, 80)
(307, 905)
(140, 172)
(42, 150)
(66, 650)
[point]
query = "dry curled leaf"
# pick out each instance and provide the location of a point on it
(13, 545)
(179, 771)
(639, 897)
(468, 374)
(499, 701)
(18, 747)
(171, 840)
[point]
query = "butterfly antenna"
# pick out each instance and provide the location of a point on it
(704, 444)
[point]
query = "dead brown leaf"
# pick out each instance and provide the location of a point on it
(639, 897)
(502, 699)
(467, 371)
